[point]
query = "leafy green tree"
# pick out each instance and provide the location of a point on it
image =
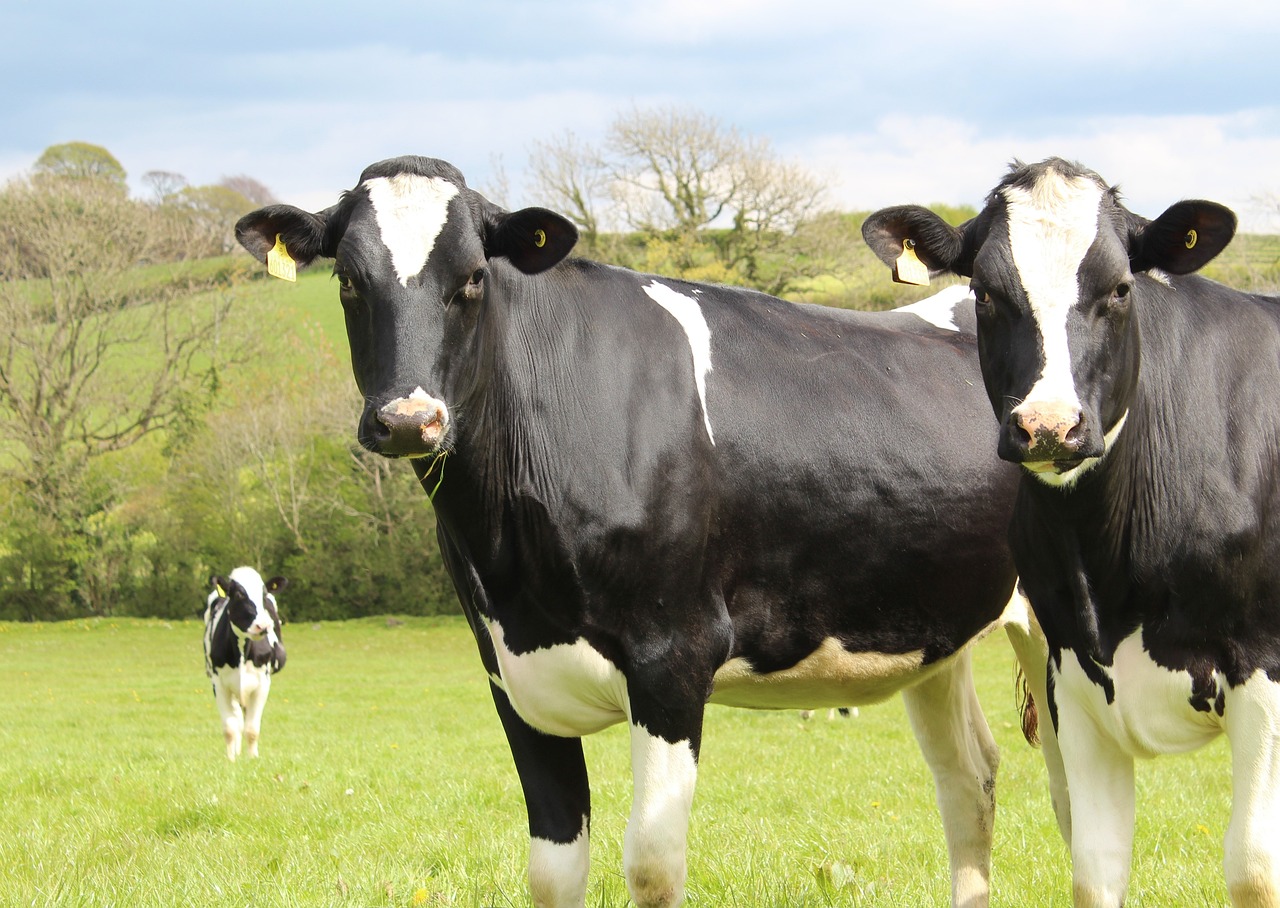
(82, 161)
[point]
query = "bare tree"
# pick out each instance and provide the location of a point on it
(708, 202)
(94, 354)
(253, 190)
(673, 169)
(164, 184)
(572, 177)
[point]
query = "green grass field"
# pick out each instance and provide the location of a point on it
(385, 780)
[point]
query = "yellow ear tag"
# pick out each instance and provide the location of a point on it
(222, 594)
(539, 238)
(908, 269)
(279, 264)
(1192, 236)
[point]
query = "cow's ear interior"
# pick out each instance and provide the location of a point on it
(301, 232)
(275, 584)
(1183, 239)
(936, 243)
(532, 239)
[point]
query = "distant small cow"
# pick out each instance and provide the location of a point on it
(242, 650)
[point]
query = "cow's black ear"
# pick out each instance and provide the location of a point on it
(936, 243)
(532, 239)
(302, 232)
(1183, 239)
(275, 584)
(219, 584)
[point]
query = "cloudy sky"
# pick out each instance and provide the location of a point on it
(917, 101)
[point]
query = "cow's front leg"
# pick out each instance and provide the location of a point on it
(664, 767)
(253, 715)
(557, 796)
(1252, 848)
(232, 719)
(1101, 789)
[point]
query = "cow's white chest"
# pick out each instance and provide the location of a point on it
(829, 676)
(569, 689)
(1151, 713)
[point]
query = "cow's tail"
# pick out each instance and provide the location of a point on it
(1026, 706)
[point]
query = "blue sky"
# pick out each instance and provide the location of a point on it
(906, 102)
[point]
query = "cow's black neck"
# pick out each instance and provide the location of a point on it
(1136, 541)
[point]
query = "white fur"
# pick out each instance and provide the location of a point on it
(686, 311)
(411, 210)
(1051, 228)
(1151, 715)
(829, 676)
(940, 309)
(569, 689)
(653, 850)
(558, 872)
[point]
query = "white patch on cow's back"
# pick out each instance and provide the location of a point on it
(411, 210)
(940, 309)
(686, 311)
(829, 676)
(568, 689)
(1051, 227)
(1151, 713)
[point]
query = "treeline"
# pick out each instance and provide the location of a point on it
(151, 439)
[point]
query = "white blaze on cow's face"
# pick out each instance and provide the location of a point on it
(1051, 227)
(411, 211)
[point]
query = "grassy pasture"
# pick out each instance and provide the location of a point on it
(385, 780)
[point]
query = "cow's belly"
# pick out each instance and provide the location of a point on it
(1151, 713)
(568, 689)
(829, 676)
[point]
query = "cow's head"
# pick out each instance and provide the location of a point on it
(245, 593)
(1052, 260)
(413, 252)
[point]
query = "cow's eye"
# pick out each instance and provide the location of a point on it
(344, 281)
(474, 286)
(982, 297)
(1118, 302)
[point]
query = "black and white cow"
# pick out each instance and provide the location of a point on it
(654, 494)
(1143, 403)
(242, 650)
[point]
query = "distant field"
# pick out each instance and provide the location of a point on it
(385, 781)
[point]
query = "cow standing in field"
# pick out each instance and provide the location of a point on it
(242, 650)
(653, 494)
(1143, 404)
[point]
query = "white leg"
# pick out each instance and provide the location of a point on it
(232, 721)
(1033, 655)
(558, 873)
(254, 708)
(653, 853)
(1100, 781)
(963, 757)
(1252, 848)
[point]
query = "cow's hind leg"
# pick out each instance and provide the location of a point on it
(963, 757)
(1252, 848)
(557, 796)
